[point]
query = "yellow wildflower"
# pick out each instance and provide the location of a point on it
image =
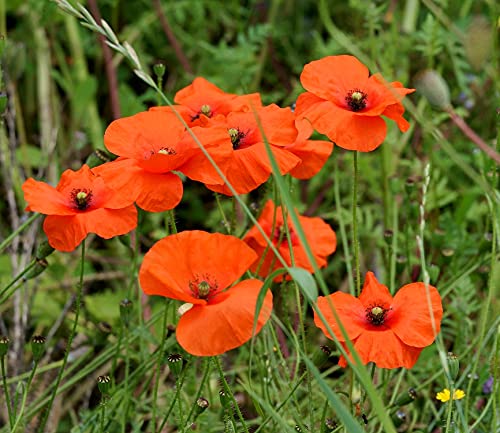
(445, 395)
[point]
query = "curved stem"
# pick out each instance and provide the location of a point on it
(70, 341)
(6, 389)
(355, 223)
(25, 395)
(158, 365)
(229, 392)
(10, 238)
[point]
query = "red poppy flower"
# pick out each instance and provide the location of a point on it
(345, 103)
(312, 153)
(202, 99)
(249, 165)
(321, 238)
(391, 332)
(198, 268)
(151, 145)
(81, 203)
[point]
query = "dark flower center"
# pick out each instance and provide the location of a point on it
(203, 287)
(204, 109)
(236, 137)
(167, 151)
(375, 314)
(280, 234)
(356, 99)
(82, 198)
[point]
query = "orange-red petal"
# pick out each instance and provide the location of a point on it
(350, 311)
(215, 328)
(411, 320)
(385, 349)
(65, 233)
(375, 293)
(108, 223)
(178, 259)
(332, 77)
(143, 134)
(46, 199)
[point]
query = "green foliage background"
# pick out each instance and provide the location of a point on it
(58, 106)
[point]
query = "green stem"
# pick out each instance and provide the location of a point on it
(7, 396)
(6, 242)
(178, 386)
(126, 380)
(25, 395)
(14, 281)
(227, 225)
(70, 340)
(198, 393)
(159, 364)
(103, 417)
(229, 392)
(355, 222)
(343, 234)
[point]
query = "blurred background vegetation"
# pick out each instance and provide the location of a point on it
(64, 86)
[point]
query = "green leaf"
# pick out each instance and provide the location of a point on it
(306, 283)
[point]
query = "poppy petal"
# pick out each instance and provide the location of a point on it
(191, 254)
(313, 155)
(209, 330)
(332, 77)
(158, 192)
(45, 199)
(395, 112)
(108, 223)
(411, 320)
(375, 293)
(349, 310)
(65, 233)
(385, 349)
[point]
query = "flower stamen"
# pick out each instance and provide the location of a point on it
(376, 315)
(203, 287)
(167, 151)
(236, 137)
(81, 198)
(356, 99)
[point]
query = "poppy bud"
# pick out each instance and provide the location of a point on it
(4, 345)
(454, 365)
(407, 397)
(104, 384)
(328, 426)
(40, 266)
(38, 347)
(388, 234)
(44, 250)
(434, 87)
(202, 405)
(478, 41)
(398, 418)
(98, 157)
(159, 70)
(126, 312)
(225, 401)
(321, 355)
(174, 361)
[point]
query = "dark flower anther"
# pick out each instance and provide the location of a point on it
(82, 198)
(356, 99)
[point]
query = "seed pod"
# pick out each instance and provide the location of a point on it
(174, 361)
(202, 405)
(4, 345)
(159, 70)
(321, 355)
(104, 384)
(454, 365)
(407, 397)
(38, 347)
